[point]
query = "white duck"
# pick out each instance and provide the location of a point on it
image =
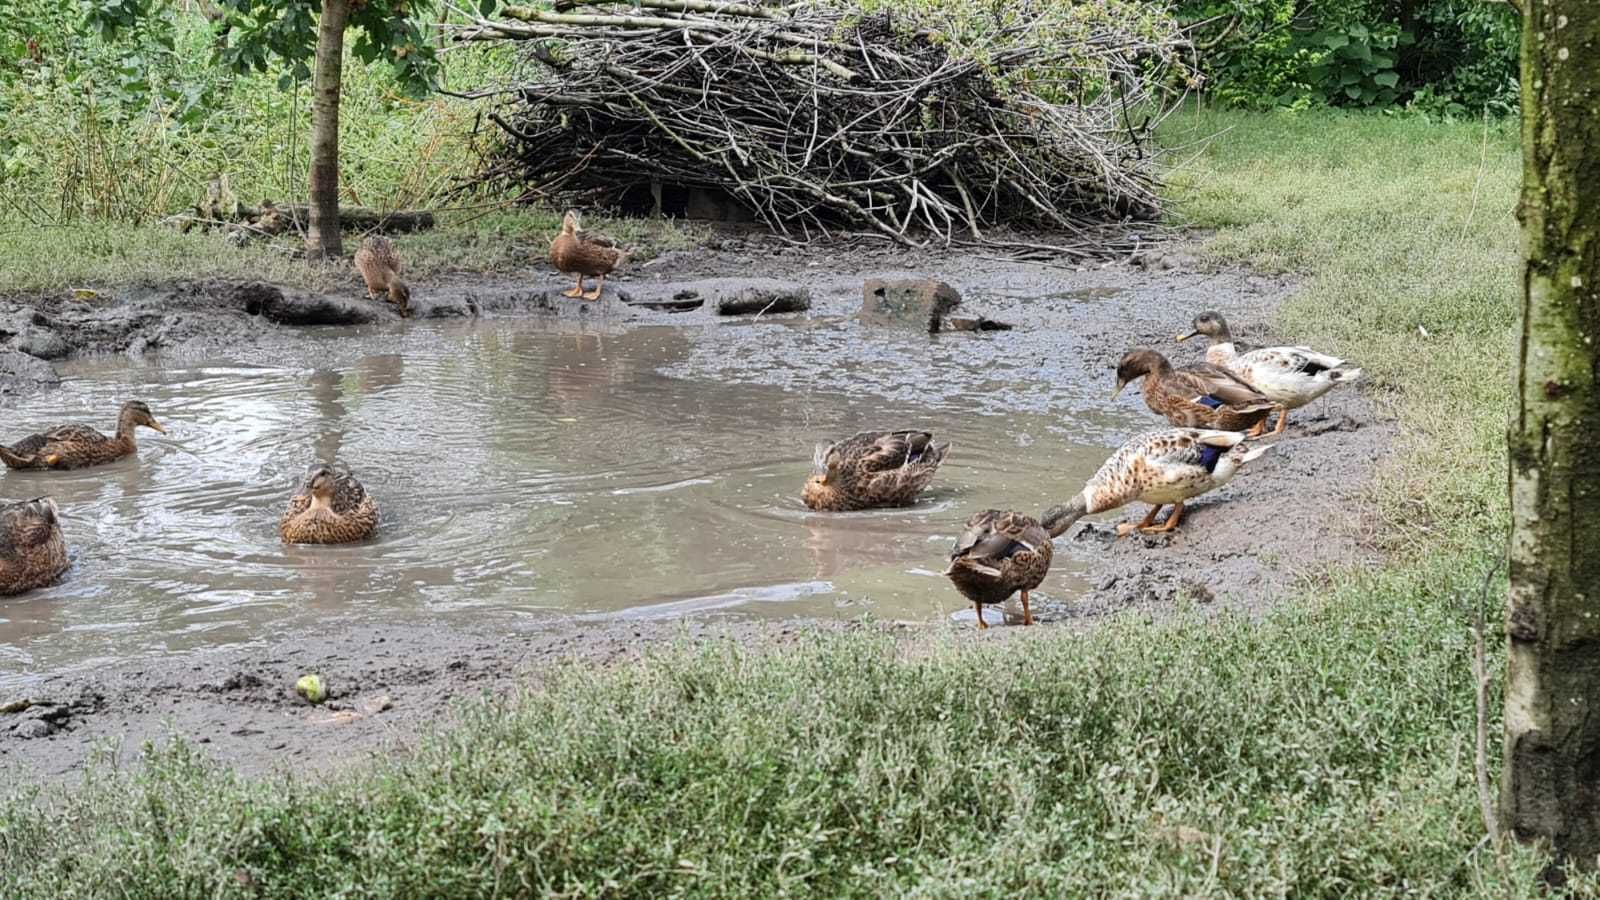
(1291, 377)
(1171, 465)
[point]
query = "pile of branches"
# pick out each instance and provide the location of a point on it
(816, 116)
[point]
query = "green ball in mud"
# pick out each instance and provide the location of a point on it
(311, 688)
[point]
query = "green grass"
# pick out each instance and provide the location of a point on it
(1403, 228)
(1322, 750)
(104, 255)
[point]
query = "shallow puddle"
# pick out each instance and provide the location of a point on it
(527, 469)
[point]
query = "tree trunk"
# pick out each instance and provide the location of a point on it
(1551, 789)
(322, 235)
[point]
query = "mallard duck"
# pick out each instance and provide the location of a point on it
(1200, 396)
(998, 554)
(379, 266)
(331, 507)
(576, 253)
(1290, 376)
(871, 469)
(32, 551)
(1172, 465)
(76, 446)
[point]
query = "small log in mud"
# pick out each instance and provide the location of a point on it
(221, 208)
(816, 116)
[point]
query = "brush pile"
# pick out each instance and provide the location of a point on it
(962, 121)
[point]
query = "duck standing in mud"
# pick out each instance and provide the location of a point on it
(1169, 466)
(379, 266)
(1199, 396)
(999, 553)
(1290, 376)
(573, 252)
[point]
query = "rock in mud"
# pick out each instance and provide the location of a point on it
(920, 303)
(973, 323)
(20, 371)
(768, 299)
(728, 296)
(30, 729)
(294, 308)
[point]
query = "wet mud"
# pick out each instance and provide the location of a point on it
(1272, 532)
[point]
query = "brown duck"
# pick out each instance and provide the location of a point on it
(76, 446)
(331, 507)
(32, 551)
(999, 554)
(1162, 467)
(575, 253)
(1197, 396)
(379, 266)
(872, 469)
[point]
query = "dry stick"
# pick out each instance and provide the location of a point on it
(699, 6)
(791, 57)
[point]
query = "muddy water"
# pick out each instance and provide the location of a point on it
(526, 470)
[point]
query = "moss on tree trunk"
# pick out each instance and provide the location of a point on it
(1551, 790)
(322, 235)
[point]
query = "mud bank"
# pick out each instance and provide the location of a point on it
(1237, 549)
(387, 685)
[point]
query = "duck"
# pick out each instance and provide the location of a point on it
(331, 507)
(77, 446)
(33, 552)
(1161, 467)
(575, 253)
(1289, 376)
(1198, 396)
(1000, 553)
(379, 266)
(872, 469)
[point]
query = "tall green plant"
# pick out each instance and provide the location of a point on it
(308, 36)
(1442, 56)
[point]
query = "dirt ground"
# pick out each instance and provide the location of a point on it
(1238, 547)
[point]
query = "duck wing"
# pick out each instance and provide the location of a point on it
(996, 535)
(61, 434)
(893, 450)
(348, 494)
(1214, 381)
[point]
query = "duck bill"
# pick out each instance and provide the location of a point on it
(1120, 385)
(157, 426)
(1184, 337)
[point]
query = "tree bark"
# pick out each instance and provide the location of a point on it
(322, 236)
(1551, 789)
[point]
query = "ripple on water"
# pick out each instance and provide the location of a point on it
(522, 471)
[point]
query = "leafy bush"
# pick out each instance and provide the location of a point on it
(1447, 57)
(132, 129)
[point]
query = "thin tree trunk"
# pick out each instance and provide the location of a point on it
(1551, 789)
(322, 235)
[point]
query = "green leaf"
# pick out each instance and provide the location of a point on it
(1358, 51)
(1353, 92)
(1387, 79)
(1359, 33)
(1334, 41)
(485, 7)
